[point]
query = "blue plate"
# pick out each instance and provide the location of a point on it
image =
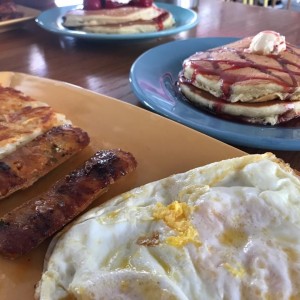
(51, 20)
(153, 77)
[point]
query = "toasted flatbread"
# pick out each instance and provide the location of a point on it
(34, 139)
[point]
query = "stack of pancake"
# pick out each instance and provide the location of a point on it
(125, 19)
(245, 82)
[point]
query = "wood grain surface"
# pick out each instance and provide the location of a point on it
(104, 67)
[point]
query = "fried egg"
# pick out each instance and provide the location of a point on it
(227, 230)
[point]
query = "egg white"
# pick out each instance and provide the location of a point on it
(246, 214)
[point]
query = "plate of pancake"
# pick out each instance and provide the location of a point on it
(54, 20)
(155, 78)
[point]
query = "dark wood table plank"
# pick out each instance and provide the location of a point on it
(104, 66)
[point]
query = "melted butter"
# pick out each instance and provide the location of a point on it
(162, 263)
(128, 195)
(237, 271)
(225, 170)
(106, 263)
(110, 218)
(292, 255)
(79, 293)
(113, 214)
(234, 237)
(193, 192)
(69, 297)
(126, 263)
(220, 176)
(293, 259)
(272, 296)
(176, 216)
(124, 286)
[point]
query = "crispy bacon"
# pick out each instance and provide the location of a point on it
(25, 227)
(28, 163)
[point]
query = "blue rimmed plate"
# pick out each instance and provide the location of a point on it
(153, 77)
(51, 20)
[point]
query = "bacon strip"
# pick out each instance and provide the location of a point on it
(28, 163)
(25, 227)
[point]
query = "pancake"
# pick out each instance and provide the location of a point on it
(268, 112)
(122, 20)
(233, 79)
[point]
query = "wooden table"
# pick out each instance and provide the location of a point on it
(104, 66)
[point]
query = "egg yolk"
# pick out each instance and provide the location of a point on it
(176, 216)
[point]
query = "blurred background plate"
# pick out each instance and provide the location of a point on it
(28, 14)
(51, 20)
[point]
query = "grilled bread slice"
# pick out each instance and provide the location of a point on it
(34, 139)
(28, 163)
(23, 118)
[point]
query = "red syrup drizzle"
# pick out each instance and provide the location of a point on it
(229, 79)
(112, 4)
(160, 20)
(285, 120)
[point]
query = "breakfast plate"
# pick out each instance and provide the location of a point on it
(28, 14)
(153, 79)
(51, 20)
(111, 124)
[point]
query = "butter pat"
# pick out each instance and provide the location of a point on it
(267, 42)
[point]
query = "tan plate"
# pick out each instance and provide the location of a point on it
(29, 14)
(161, 147)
